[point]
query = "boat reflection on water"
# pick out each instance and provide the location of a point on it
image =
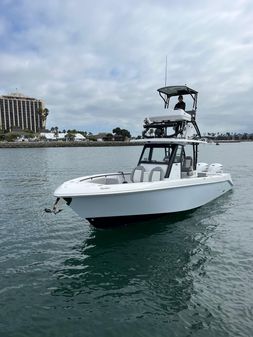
(149, 268)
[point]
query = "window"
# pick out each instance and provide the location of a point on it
(159, 154)
(145, 155)
(156, 154)
(179, 154)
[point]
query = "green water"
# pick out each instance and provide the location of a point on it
(189, 275)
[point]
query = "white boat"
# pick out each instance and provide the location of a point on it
(167, 179)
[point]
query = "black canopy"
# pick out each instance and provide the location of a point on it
(176, 90)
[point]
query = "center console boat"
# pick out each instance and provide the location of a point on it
(167, 178)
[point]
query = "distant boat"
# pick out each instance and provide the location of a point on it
(168, 177)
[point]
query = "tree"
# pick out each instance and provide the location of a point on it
(56, 132)
(11, 136)
(44, 113)
(121, 134)
(108, 137)
(72, 131)
(70, 136)
(117, 131)
(125, 133)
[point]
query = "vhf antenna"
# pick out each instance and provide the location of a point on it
(166, 70)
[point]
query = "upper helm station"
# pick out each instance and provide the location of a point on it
(177, 123)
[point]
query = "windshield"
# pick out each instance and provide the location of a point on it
(156, 154)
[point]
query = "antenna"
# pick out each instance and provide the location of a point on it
(166, 70)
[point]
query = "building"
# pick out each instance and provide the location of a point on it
(77, 137)
(19, 112)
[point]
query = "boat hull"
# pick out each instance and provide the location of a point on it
(121, 208)
(117, 221)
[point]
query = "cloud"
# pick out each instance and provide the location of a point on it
(98, 67)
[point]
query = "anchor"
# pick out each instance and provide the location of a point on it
(55, 208)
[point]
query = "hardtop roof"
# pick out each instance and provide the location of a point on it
(180, 141)
(176, 90)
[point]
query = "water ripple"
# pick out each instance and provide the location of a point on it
(188, 275)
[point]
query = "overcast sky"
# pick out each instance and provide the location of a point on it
(98, 65)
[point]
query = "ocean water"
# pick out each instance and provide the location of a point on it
(189, 275)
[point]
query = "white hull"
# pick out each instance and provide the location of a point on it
(137, 199)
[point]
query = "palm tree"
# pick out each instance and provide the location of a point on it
(44, 113)
(56, 132)
(70, 137)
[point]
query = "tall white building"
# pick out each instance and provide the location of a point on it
(21, 112)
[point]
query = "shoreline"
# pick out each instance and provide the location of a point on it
(14, 145)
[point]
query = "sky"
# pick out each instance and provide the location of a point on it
(98, 65)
